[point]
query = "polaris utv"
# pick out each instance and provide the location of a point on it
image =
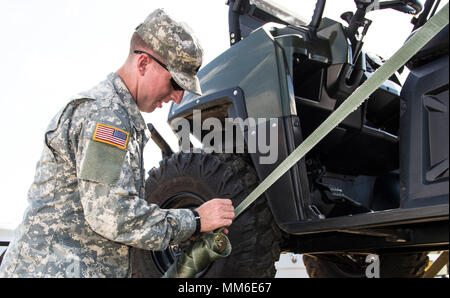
(377, 184)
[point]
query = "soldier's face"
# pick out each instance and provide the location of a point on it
(156, 88)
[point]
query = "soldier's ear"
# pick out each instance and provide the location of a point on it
(142, 64)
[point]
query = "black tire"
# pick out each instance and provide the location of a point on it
(188, 180)
(408, 265)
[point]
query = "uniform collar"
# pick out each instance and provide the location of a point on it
(128, 100)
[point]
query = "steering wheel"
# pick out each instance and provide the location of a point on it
(406, 6)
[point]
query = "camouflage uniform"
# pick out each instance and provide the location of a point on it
(86, 205)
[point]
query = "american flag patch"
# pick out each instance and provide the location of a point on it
(111, 135)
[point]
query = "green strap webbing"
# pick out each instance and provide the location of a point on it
(406, 52)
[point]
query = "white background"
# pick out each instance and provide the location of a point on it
(53, 49)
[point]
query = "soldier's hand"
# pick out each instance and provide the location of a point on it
(216, 213)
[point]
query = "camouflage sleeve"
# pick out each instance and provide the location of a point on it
(109, 191)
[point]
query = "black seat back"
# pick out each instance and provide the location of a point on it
(435, 48)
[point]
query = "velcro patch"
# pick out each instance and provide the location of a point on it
(111, 135)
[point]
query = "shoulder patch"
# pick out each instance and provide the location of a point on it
(101, 162)
(111, 135)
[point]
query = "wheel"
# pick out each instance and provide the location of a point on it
(189, 179)
(409, 265)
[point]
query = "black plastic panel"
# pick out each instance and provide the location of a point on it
(287, 198)
(424, 136)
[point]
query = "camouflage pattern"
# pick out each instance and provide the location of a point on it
(76, 227)
(175, 42)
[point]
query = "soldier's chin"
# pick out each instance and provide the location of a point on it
(159, 103)
(154, 107)
(148, 109)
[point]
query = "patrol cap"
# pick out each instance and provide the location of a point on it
(175, 42)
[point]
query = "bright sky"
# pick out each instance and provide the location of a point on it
(53, 49)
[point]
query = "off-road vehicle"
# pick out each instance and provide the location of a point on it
(378, 183)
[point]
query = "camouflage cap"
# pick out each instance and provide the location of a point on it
(175, 42)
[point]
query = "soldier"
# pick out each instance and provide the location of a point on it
(87, 202)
